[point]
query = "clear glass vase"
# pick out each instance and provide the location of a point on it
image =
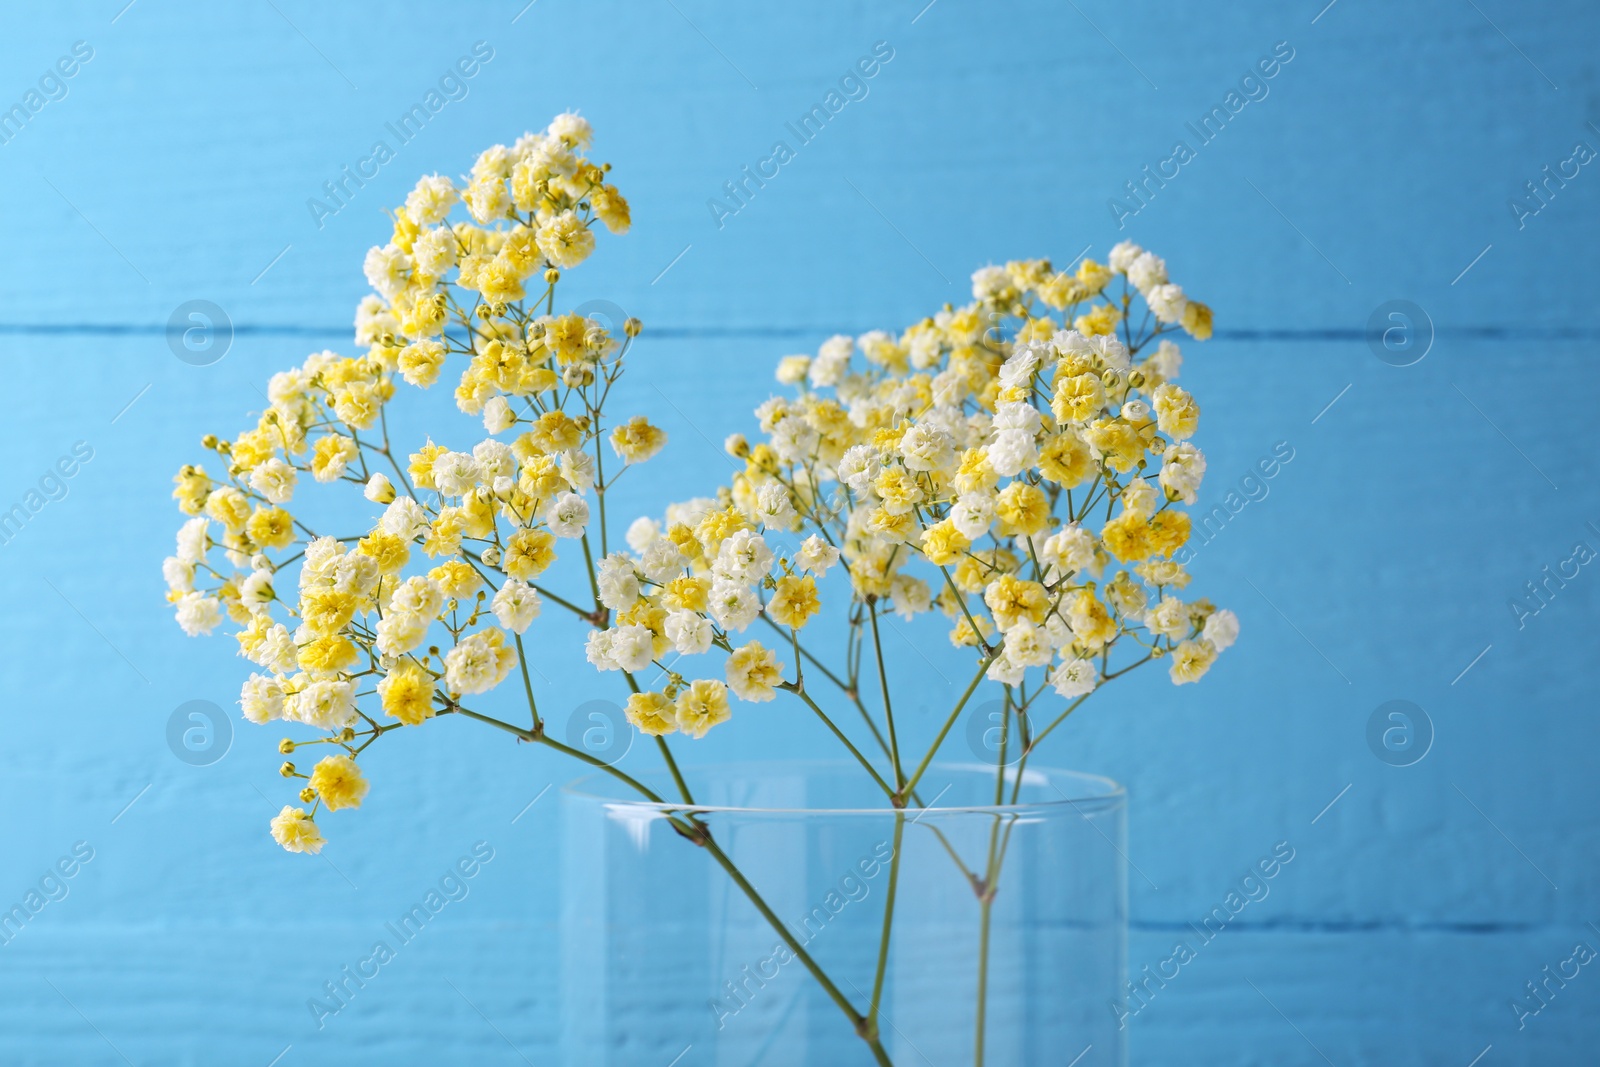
(751, 928)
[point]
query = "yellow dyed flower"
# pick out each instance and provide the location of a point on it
(338, 782)
(390, 551)
(407, 693)
(1190, 661)
(1197, 320)
(270, 527)
(1012, 599)
(636, 440)
(702, 705)
(687, 593)
(1128, 537)
(794, 601)
(528, 553)
(1078, 398)
(565, 240)
(296, 831)
(457, 578)
(1023, 507)
(1091, 624)
(331, 653)
(192, 488)
(652, 713)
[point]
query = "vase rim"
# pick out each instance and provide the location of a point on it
(1074, 789)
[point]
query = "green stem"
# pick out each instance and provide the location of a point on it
(944, 730)
(876, 777)
(888, 922)
(888, 709)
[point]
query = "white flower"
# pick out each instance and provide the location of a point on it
(1147, 271)
(454, 473)
(255, 592)
(1221, 629)
(261, 699)
(774, 506)
(328, 704)
(833, 359)
(1136, 411)
(1166, 360)
(430, 201)
(642, 532)
(1004, 670)
(1167, 302)
(1071, 548)
(498, 416)
(743, 557)
(1012, 452)
(1028, 645)
(1075, 677)
(198, 614)
(577, 470)
(192, 538)
(274, 480)
(179, 575)
(859, 467)
(1122, 256)
(404, 517)
(792, 369)
(661, 560)
(1169, 618)
(618, 582)
(1183, 466)
(989, 281)
(568, 515)
(379, 489)
(733, 605)
(925, 448)
(689, 632)
(572, 128)
(597, 650)
(495, 460)
(400, 632)
(516, 605)
(435, 251)
(478, 663)
(630, 648)
(1018, 368)
(972, 514)
(418, 595)
(910, 596)
(816, 555)
(1112, 352)
(386, 270)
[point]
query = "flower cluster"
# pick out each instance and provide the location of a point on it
(1019, 463)
(427, 605)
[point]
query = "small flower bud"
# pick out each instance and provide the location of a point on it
(287, 770)
(632, 327)
(552, 275)
(208, 441)
(347, 734)
(286, 746)
(307, 795)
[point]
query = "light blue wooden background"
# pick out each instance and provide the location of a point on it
(1379, 567)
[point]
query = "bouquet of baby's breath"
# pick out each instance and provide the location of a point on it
(1019, 464)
